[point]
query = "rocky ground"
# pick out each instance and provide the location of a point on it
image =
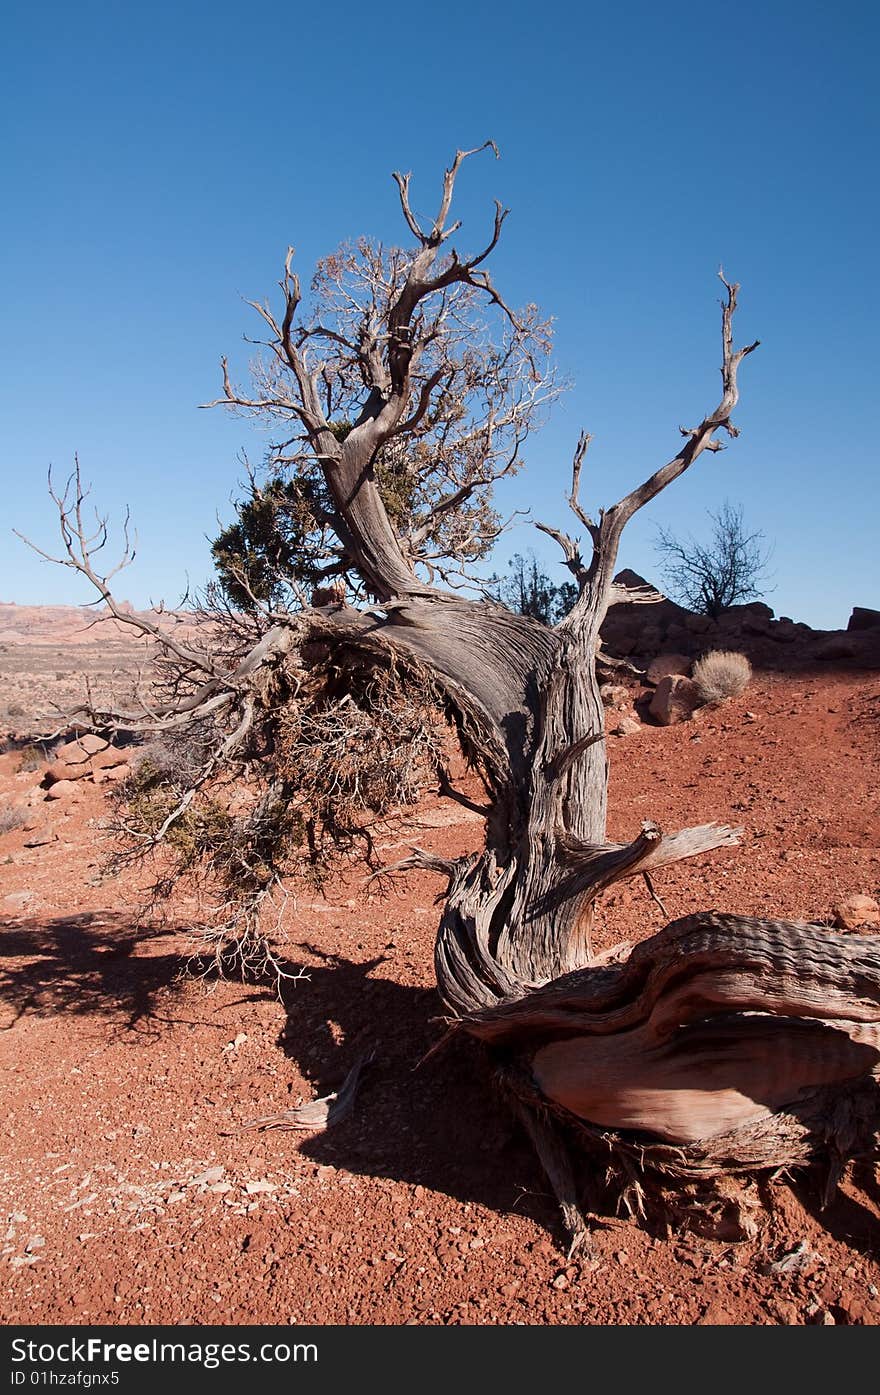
(133, 1190)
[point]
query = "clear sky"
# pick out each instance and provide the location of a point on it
(158, 159)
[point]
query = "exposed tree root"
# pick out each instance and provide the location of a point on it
(319, 1115)
(722, 1051)
(717, 1186)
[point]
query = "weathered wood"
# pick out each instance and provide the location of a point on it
(719, 1046)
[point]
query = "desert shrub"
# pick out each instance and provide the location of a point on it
(32, 758)
(346, 745)
(173, 759)
(373, 748)
(11, 819)
(721, 674)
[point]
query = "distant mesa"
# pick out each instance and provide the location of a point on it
(632, 631)
(640, 633)
(68, 624)
(863, 618)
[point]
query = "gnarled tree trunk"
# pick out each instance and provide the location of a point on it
(721, 1048)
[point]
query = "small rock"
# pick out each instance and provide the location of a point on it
(614, 695)
(36, 1242)
(211, 1174)
(561, 1281)
(60, 771)
(41, 838)
(675, 700)
(63, 789)
(716, 1315)
(787, 1312)
(627, 726)
(112, 775)
(253, 1188)
(857, 1313)
(856, 911)
(79, 750)
(665, 665)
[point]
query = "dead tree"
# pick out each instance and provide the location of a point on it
(720, 1048)
(710, 577)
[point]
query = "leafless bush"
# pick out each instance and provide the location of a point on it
(174, 759)
(32, 758)
(11, 819)
(721, 674)
(239, 838)
(373, 748)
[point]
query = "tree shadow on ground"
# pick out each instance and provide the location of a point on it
(427, 1119)
(433, 1117)
(852, 1215)
(92, 963)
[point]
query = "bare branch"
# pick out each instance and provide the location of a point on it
(574, 495)
(437, 232)
(598, 866)
(402, 181)
(419, 861)
(571, 549)
(320, 1114)
(700, 437)
(573, 559)
(449, 792)
(422, 405)
(80, 547)
(562, 762)
(596, 595)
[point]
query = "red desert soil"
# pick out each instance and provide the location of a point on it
(132, 1194)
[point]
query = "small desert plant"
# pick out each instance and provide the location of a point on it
(174, 759)
(721, 674)
(32, 758)
(11, 819)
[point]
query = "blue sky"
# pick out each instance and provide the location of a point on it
(158, 160)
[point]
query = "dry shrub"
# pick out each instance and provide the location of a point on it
(372, 749)
(721, 674)
(341, 746)
(174, 759)
(11, 819)
(32, 758)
